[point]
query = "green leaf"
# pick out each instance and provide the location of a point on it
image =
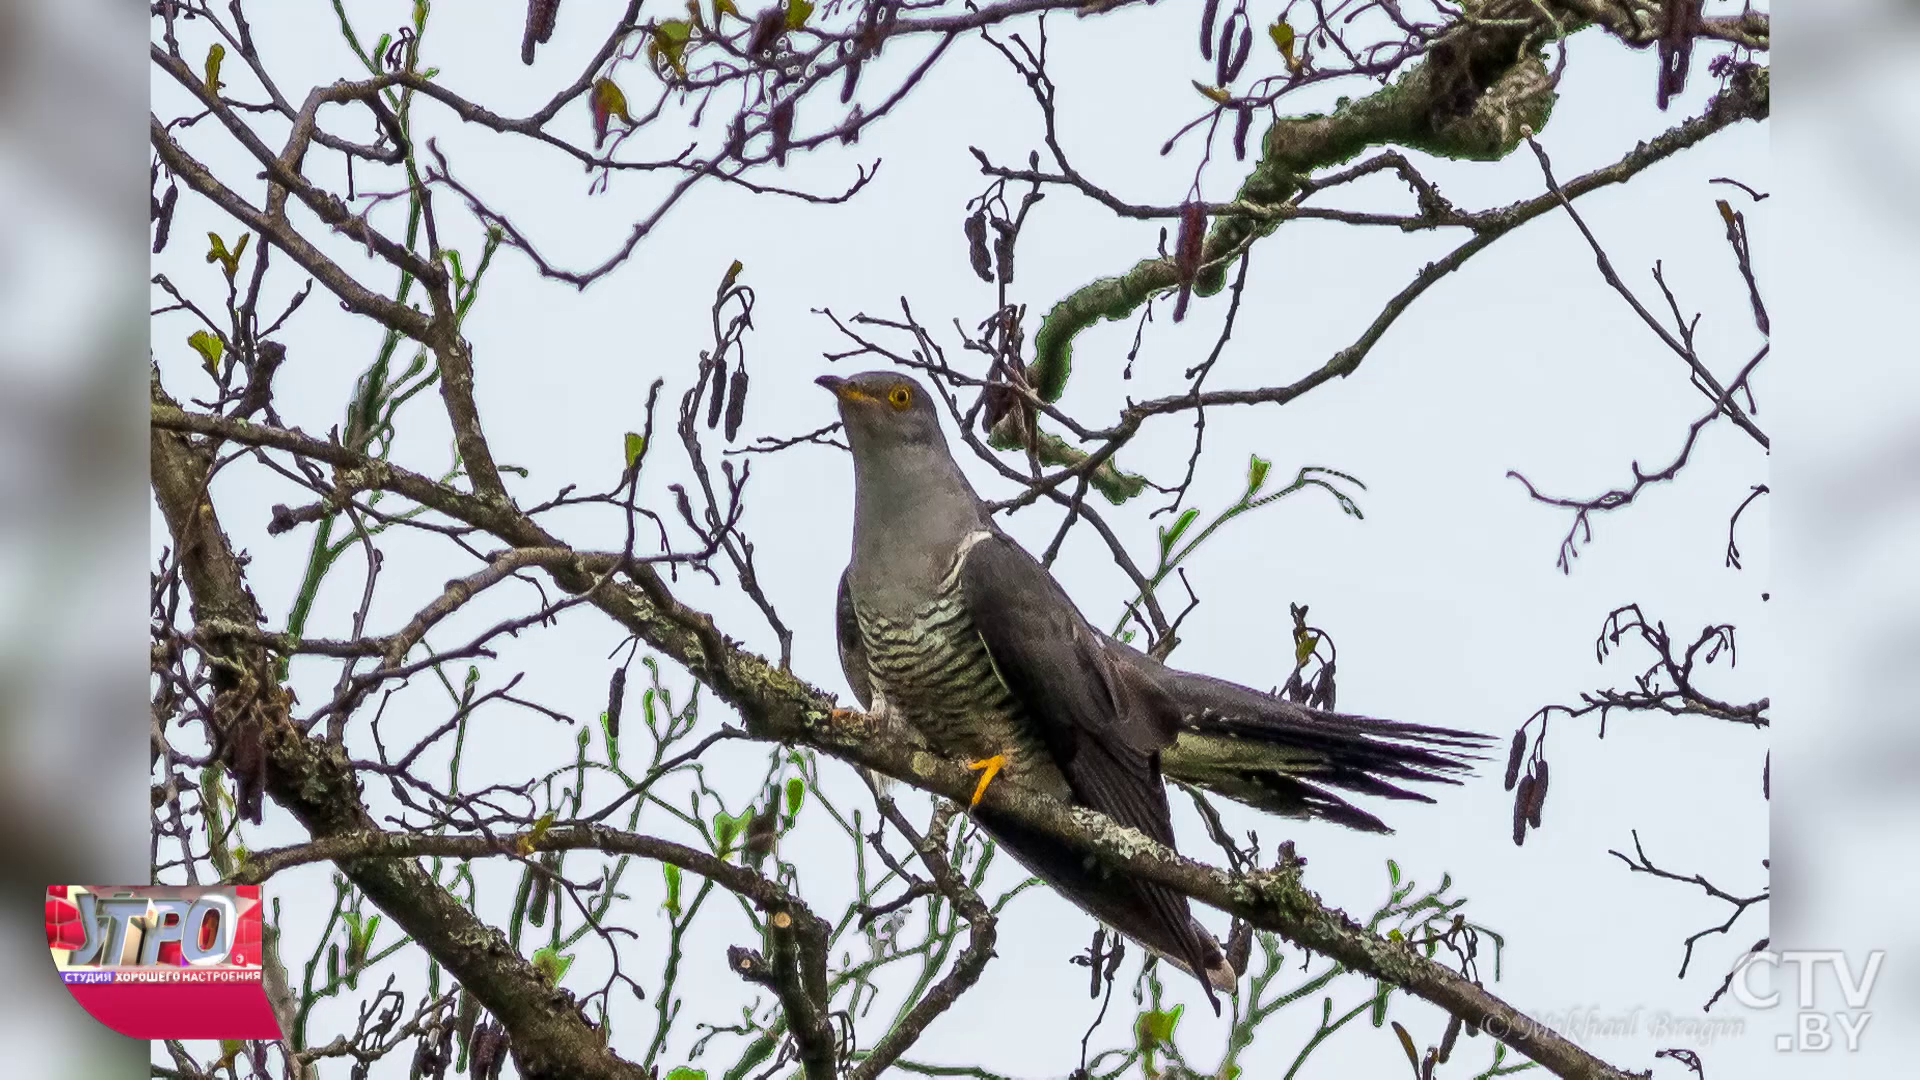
(212, 69)
(673, 889)
(674, 31)
(360, 932)
(527, 841)
(607, 101)
(1303, 646)
(796, 794)
(229, 260)
(1216, 94)
(687, 1072)
(210, 349)
(1157, 1027)
(669, 43)
(550, 962)
(1282, 34)
(1257, 470)
(1393, 872)
(728, 828)
(613, 741)
(798, 11)
(636, 448)
(1170, 537)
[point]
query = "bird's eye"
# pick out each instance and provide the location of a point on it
(900, 397)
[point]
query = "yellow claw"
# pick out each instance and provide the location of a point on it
(990, 768)
(843, 715)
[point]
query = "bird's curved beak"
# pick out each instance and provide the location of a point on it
(844, 389)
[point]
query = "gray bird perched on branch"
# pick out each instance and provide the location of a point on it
(950, 628)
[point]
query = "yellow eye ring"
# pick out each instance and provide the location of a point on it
(900, 397)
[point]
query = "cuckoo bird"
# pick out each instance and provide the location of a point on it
(949, 628)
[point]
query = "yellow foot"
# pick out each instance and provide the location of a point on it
(988, 769)
(841, 716)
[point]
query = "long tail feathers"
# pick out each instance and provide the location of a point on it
(1295, 761)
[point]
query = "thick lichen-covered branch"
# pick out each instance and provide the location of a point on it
(314, 781)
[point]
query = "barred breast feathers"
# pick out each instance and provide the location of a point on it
(938, 676)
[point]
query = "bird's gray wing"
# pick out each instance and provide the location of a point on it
(1104, 729)
(1103, 726)
(853, 652)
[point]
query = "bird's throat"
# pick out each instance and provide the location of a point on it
(909, 524)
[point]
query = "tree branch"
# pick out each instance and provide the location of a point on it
(777, 706)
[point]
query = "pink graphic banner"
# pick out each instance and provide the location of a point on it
(163, 961)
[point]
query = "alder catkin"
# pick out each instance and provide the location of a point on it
(540, 16)
(1513, 757)
(976, 229)
(719, 392)
(486, 1050)
(1240, 54)
(1522, 799)
(736, 401)
(616, 697)
(1192, 240)
(1187, 251)
(165, 219)
(1003, 250)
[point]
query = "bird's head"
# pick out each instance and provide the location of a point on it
(912, 506)
(886, 414)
